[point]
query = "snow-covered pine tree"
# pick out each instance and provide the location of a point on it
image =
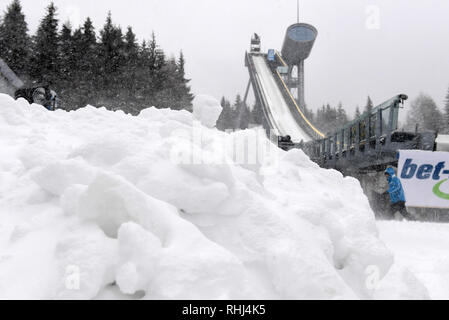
(115, 71)
(65, 51)
(236, 108)
(160, 76)
(174, 92)
(88, 63)
(44, 65)
(425, 113)
(152, 52)
(66, 65)
(131, 53)
(72, 88)
(257, 115)
(369, 105)
(342, 117)
(131, 46)
(14, 40)
(330, 120)
(167, 95)
(225, 121)
(111, 56)
(357, 112)
(319, 121)
(142, 77)
(243, 116)
(184, 94)
(446, 113)
(78, 66)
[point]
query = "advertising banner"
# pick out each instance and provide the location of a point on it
(425, 178)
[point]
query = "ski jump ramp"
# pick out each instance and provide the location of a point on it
(283, 115)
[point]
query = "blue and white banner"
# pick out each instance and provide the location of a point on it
(425, 178)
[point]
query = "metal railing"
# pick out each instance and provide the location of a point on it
(369, 141)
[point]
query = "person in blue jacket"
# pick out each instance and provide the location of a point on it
(397, 196)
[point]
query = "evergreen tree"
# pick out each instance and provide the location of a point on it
(66, 63)
(111, 53)
(66, 66)
(159, 76)
(369, 106)
(342, 118)
(115, 71)
(77, 53)
(320, 117)
(45, 65)
(14, 40)
(243, 116)
(89, 37)
(89, 47)
(87, 64)
(142, 76)
(131, 58)
(166, 91)
(223, 102)
(446, 114)
(320, 121)
(156, 63)
(357, 113)
(184, 95)
(240, 115)
(78, 65)
(131, 44)
(238, 101)
(152, 50)
(131, 53)
(330, 119)
(425, 113)
(225, 121)
(73, 90)
(257, 115)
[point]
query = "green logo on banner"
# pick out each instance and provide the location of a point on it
(438, 192)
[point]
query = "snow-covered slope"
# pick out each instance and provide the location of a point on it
(421, 248)
(99, 204)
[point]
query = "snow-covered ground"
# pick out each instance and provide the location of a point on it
(98, 205)
(422, 248)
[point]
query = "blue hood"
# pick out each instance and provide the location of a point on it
(395, 187)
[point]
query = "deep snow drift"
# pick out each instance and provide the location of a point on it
(99, 204)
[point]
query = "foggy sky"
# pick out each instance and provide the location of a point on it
(352, 58)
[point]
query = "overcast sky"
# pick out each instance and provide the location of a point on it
(375, 47)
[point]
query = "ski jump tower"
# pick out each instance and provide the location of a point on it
(297, 46)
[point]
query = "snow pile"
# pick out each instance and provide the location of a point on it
(99, 204)
(206, 109)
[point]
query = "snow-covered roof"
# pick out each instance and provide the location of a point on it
(7, 73)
